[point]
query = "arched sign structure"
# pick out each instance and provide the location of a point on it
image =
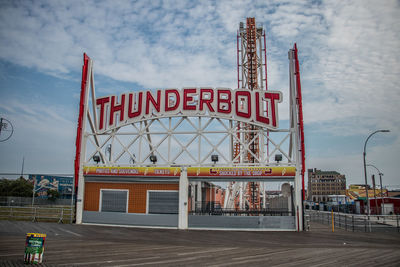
(187, 135)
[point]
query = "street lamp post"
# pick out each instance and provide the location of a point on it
(33, 190)
(365, 168)
(380, 179)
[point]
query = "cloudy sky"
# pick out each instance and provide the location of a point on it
(349, 53)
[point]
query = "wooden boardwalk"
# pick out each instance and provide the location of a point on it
(87, 245)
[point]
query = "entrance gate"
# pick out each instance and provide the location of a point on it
(196, 157)
(210, 211)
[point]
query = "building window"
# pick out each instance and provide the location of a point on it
(162, 202)
(113, 200)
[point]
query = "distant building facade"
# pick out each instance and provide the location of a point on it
(324, 184)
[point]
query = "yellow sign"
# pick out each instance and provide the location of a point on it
(191, 171)
(241, 171)
(132, 171)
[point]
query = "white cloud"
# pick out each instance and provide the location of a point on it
(358, 63)
(348, 51)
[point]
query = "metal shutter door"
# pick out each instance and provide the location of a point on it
(114, 201)
(163, 202)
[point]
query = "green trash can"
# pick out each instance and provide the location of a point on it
(34, 248)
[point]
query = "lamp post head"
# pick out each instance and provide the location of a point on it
(385, 131)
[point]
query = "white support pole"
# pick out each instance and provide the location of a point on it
(193, 196)
(81, 179)
(298, 201)
(199, 196)
(297, 182)
(211, 195)
(183, 199)
(264, 195)
(241, 202)
(79, 199)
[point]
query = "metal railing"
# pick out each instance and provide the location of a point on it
(38, 214)
(353, 209)
(207, 208)
(27, 201)
(355, 222)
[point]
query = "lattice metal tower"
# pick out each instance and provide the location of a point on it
(251, 75)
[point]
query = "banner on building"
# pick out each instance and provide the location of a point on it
(191, 171)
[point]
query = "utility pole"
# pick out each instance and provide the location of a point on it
(22, 169)
(376, 203)
(365, 168)
(382, 197)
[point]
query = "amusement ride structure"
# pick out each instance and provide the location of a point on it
(168, 136)
(252, 75)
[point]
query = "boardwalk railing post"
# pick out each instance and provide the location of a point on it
(61, 215)
(34, 214)
(365, 224)
(72, 213)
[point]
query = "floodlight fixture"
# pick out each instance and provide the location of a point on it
(96, 159)
(278, 157)
(153, 158)
(214, 158)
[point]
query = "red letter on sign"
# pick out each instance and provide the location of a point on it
(102, 103)
(156, 104)
(188, 98)
(260, 118)
(275, 98)
(226, 101)
(248, 103)
(117, 108)
(167, 102)
(138, 104)
(206, 101)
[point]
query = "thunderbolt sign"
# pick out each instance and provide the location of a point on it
(256, 107)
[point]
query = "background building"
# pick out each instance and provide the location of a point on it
(322, 184)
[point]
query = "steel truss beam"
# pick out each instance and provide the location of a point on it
(210, 140)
